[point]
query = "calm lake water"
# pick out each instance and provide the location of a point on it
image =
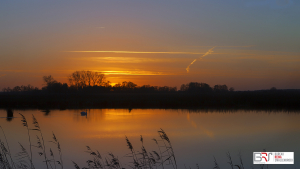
(196, 136)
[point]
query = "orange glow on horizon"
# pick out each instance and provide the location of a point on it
(117, 72)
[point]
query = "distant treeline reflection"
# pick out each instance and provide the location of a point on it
(90, 89)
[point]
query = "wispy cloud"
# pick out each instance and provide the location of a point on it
(247, 46)
(2, 75)
(273, 4)
(137, 52)
(132, 59)
(35, 70)
(148, 52)
(12, 70)
(129, 72)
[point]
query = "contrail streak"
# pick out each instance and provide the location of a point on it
(190, 53)
(210, 51)
(229, 46)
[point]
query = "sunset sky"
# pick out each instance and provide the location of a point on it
(255, 44)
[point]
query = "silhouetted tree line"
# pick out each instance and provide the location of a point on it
(90, 89)
(89, 82)
(22, 88)
(95, 82)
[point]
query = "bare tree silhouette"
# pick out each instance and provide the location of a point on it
(81, 79)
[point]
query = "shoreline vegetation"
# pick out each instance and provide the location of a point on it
(52, 153)
(259, 100)
(87, 89)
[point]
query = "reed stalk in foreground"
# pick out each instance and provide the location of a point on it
(216, 164)
(146, 160)
(168, 147)
(25, 124)
(230, 160)
(135, 159)
(37, 128)
(22, 155)
(55, 141)
(97, 161)
(4, 164)
(53, 158)
(110, 162)
(241, 166)
(142, 160)
(8, 149)
(159, 157)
